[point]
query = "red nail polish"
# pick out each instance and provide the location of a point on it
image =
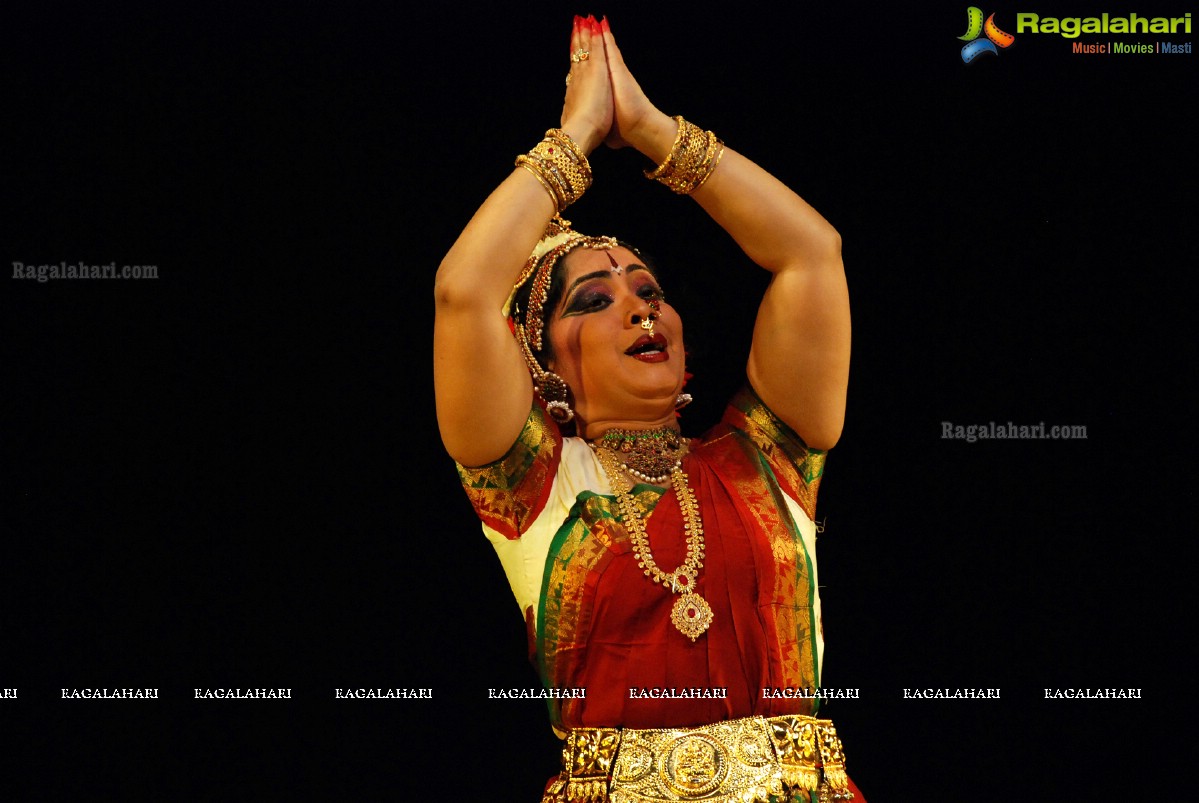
(604, 24)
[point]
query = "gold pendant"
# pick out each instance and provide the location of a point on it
(691, 615)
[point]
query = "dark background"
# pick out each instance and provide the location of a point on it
(230, 476)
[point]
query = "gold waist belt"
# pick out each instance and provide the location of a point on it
(740, 761)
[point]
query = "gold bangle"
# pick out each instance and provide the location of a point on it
(687, 166)
(679, 139)
(714, 156)
(534, 168)
(565, 139)
(571, 176)
(692, 158)
(560, 166)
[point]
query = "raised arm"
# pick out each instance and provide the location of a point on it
(483, 387)
(799, 358)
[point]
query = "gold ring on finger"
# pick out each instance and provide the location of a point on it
(580, 55)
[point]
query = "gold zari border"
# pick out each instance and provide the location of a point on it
(750, 760)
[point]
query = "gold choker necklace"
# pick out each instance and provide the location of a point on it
(648, 454)
(640, 452)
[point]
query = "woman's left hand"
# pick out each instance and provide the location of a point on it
(636, 122)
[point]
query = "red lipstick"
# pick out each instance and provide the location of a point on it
(649, 348)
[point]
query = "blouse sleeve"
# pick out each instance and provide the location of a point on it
(797, 467)
(508, 494)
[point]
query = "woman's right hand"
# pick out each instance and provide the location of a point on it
(484, 390)
(587, 109)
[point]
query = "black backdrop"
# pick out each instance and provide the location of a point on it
(230, 476)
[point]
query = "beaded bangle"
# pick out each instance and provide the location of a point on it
(565, 140)
(560, 166)
(692, 158)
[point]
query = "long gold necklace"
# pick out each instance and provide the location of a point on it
(654, 455)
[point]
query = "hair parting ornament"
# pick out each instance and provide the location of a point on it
(558, 241)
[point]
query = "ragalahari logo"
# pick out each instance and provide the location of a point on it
(975, 26)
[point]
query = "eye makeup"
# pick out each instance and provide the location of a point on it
(592, 291)
(589, 298)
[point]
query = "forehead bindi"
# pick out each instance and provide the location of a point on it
(584, 261)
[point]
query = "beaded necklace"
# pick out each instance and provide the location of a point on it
(653, 456)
